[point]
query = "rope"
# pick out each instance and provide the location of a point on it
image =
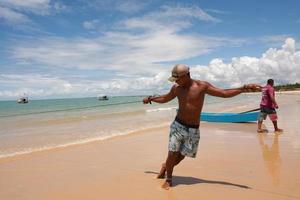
(256, 109)
(68, 109)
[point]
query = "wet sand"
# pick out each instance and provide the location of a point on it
(233, 162)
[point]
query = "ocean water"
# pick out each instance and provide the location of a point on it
(48, 124)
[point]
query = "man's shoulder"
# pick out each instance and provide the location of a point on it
(174, 87)
(200, 82)
(269, 87)
(201, 85)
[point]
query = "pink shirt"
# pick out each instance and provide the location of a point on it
(267, 92)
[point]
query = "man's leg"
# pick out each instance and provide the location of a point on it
(261, 118)
(259, 123)
(276, 127)
(173, 159)
(273, 118)
(180, 157)
(163, 169)
(162, 172)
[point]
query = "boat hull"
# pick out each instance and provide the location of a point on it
(100, 98)
(229, 117)
(23, 100)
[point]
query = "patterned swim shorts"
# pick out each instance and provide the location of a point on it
(264, 112)
(184, 139)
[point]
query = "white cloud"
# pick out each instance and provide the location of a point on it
(136, 50)
(194, 11)
(273, 40)
(43, 86)
(35, 6)
(282, 64)
(90, 25)
(33, 85)
(11, 16)
(16, 12)
(125, 47)
(217, 11)
(26, 4)
(117, 51)
(130, 6)
(169, 18)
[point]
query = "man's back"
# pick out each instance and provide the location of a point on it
(267, 93)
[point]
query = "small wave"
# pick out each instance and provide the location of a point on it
(161, 109)
(78, 142)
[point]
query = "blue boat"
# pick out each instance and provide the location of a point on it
(229, 117)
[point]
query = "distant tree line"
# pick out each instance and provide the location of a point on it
(286, 87)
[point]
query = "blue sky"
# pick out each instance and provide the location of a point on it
(58, 49)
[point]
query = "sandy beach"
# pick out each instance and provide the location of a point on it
(233, 162)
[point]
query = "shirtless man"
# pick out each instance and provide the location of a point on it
(184, 131)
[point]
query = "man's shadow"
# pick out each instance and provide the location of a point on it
(183, 180)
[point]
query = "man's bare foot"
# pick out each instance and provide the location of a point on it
(262, 130)
(162, 171)
(167, 184)
(278, 130)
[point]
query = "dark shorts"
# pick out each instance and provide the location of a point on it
(271, 112)
(184, 139)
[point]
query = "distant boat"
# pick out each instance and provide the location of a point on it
(23, 100)
(102, 97)
(229, 117)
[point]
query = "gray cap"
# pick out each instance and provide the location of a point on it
(178, 71)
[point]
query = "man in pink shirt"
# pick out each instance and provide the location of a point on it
(268, 106)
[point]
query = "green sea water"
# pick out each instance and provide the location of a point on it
(58, 123)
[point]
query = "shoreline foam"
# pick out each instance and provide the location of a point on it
(80, 142)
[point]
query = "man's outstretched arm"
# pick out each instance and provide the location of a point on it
(226, 93)
(163, 98)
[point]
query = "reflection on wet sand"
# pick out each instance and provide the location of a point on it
(170, 195)
(271, 157)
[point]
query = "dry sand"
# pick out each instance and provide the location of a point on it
(233, 162)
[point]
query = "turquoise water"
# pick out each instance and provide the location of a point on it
(11, 108)
(48, 124)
